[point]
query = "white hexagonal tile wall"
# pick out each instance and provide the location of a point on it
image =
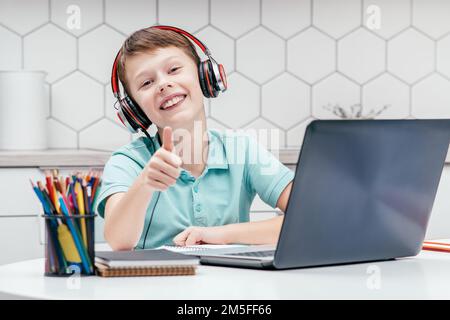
(47, 99)
(51, 50)
(431, 98)
(110, 100)
(235, 17)
(93, 137)
(190, 15)
(334, 90)
(10, 54)
(96, 59)
(286, 101)
(220, 45)
(77, 16)
(258, 63)
(386, 91)
(442, 56)
(77, 100)
(337, 17)
(239, 105)
(361, 55)
(394, 16)
(410, 55)
(60, 136)
(268, 135)
(129, 16)
(294, 137)
(311, 55)
(295, 16)
(432, 16)
(213, 124)
(23, 16)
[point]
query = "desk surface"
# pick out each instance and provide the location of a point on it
(426, 276)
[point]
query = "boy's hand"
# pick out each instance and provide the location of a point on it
(201, 235)
(164, 167)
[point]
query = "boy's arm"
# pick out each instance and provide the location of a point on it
(125, 215)
(259, 232)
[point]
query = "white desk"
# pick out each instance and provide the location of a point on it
(426, 276)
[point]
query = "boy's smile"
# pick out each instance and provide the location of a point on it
(172, 101)
(164, 83)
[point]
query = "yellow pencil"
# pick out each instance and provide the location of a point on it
(80, 202)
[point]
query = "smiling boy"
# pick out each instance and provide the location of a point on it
(154, 193)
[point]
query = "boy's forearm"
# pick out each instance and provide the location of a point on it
(125, 222)
(258, 232)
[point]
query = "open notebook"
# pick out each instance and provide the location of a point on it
(196, 249)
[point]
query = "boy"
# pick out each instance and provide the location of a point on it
(155, 194)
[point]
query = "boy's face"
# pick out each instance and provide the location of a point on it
(164, 83)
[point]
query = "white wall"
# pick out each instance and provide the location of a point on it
(286, 60)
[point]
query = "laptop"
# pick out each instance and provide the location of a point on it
(363, 191)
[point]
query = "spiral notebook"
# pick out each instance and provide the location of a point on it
(144, 263)
(105, 271)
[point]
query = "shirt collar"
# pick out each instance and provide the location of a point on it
(216, 150)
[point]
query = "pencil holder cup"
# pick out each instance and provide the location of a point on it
(69, 245)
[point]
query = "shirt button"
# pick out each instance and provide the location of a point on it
(196, 188)
(201, 222)
(198, 207)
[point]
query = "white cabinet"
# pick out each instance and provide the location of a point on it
(21, 227)
(19, 239)
(21, 230)
(17, 196)
(439, 225)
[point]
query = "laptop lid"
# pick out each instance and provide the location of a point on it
(363, 191)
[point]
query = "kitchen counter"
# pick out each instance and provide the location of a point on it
(83, 157)
(53, 158)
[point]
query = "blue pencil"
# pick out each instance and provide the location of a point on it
(79, 246)
(51, 248)
(52, 227)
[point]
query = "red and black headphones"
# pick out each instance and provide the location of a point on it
(212, 79)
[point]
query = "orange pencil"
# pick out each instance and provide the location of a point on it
(52, 192)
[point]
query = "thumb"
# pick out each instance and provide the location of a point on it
(167, 139)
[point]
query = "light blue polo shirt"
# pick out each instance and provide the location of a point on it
(237, 169)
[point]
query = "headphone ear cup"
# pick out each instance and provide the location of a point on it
(223, 77)
(125, 117)
(142, 118)
(211, 82)
(212, 79)
(202, 79)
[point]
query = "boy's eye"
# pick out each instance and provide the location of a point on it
(146, 83)
(174, 69)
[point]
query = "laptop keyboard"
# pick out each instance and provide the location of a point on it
(269, 253)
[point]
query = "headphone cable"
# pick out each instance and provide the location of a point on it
(157, 197)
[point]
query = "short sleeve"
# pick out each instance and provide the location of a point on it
(118, 175)
(265, 174)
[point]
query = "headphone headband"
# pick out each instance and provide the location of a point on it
(114, 75)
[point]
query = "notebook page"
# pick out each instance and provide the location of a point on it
(200, 248)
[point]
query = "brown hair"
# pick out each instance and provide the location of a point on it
(151, 39)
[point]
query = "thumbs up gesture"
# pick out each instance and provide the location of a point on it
(164, 166)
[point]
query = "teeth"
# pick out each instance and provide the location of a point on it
(172, 101)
